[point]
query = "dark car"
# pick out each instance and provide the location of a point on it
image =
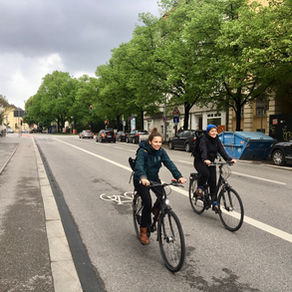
(281, 153)
(136, 136)
(121, 136)
(86, 134)
(185, 139)
(107, 135)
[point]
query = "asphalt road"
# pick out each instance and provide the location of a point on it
(258, 257)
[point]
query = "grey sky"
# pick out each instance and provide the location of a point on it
(75, 36)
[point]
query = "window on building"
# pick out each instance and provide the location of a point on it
(261, 107)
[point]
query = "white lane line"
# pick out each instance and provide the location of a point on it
(267, 228)
(186, 162)
(259, 178)
(124, 149)
(245, 175)
(95, 155)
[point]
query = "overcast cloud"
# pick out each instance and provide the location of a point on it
(75, 36)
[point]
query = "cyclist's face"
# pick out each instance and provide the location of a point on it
(213, 132)
(156, 142)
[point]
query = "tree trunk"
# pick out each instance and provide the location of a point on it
(142, 119)
(118, 120)
(238, 115)
(187, 107)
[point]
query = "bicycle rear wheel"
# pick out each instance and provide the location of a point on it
(196, 202)
(171, 241)
(137, 213)
(231, 209)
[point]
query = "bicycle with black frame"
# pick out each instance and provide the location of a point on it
(169, 230)
(230, 207)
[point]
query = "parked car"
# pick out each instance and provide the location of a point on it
(107, 135)
(36, 130)
(136, 136)
(9, 130)
(281, 153)
(86, 134)
(185, 139)
(121, 136)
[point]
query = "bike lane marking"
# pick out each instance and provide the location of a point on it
(265, 227)
(246, 175)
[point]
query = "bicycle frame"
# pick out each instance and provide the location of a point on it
(164, 205)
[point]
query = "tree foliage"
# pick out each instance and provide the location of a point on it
(220, 53)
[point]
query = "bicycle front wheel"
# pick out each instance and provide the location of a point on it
(137, 213)
(231, 209)
(196, 202)
(171, 241)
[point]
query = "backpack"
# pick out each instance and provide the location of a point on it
(196, 149)
(132, 161)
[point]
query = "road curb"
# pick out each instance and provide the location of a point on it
(63, 269)
(7, 161)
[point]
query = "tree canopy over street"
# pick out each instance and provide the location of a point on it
(218, 53)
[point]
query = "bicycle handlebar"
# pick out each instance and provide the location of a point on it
(173, 183)
(220, 163)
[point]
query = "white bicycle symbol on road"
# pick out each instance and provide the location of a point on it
(123, 199)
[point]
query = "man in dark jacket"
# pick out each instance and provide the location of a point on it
(148, 163)
(209, 147)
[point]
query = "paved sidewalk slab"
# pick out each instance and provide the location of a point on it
(24, 257)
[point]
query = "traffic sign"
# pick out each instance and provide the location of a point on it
(176, 111)
(176, 120)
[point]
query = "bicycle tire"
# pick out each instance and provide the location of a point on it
(231, 209)
(137, 213)
(167, 226)
(196, 202)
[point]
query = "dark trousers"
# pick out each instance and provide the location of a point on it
(144, 192)
(207, 175)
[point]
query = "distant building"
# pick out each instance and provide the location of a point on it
(13, 118)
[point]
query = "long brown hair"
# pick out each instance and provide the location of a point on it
(154, 133)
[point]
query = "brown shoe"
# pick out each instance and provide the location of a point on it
(143, 236)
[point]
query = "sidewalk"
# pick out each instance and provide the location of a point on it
(34, 251)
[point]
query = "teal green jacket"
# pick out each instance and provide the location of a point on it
(149, 162)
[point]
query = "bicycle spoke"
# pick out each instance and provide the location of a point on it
(137, 213)
(196, 202)
(171, 242)
(231, 210)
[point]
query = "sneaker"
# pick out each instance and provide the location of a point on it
(215, 208)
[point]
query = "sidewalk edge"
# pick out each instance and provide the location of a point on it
(64, 273)
(7, 161)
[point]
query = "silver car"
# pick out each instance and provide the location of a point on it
(86, 134)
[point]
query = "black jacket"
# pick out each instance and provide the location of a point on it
(210, 147)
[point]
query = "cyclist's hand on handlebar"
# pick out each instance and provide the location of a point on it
(182, 180)
(208, 162)
(233, 160)
(145, 182)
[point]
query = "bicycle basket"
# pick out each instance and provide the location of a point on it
(226, 171)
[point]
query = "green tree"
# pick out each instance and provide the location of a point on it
(53, 100)
(83, 113)
(234, 44)
(183, 83)
(3, 105)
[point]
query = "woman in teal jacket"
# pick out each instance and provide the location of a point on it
(149, 159)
